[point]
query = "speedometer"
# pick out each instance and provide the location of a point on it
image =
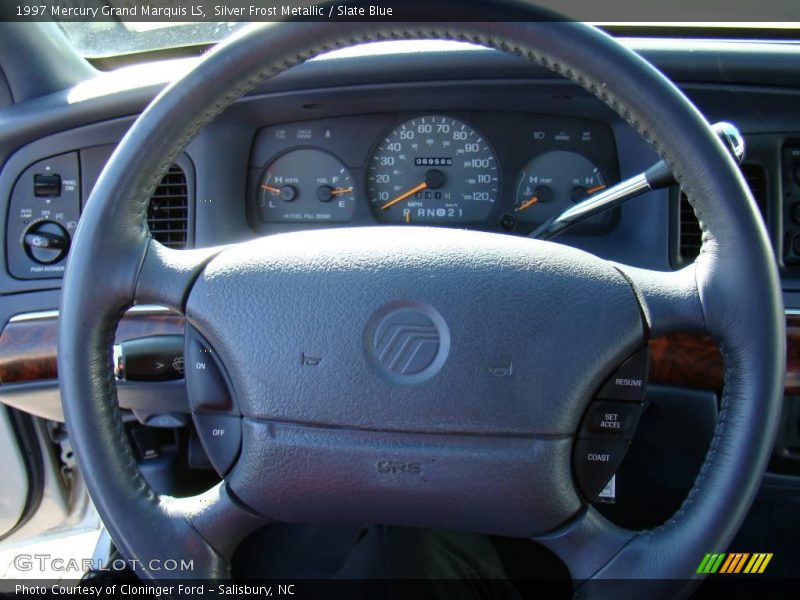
(433, 169)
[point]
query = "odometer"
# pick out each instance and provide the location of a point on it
(433, 169)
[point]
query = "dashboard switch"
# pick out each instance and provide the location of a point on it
(146, 440)
(595, 463)
(208, 390)
(221, 436)
(629, 380)
(41, 218)
(46, 242)
(611, 420)
(46, 185)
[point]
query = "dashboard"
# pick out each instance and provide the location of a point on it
(494, 171)
(425, 136)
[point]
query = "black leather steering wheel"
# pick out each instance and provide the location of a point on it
(494, 453)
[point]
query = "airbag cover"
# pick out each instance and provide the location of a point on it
(415, 329)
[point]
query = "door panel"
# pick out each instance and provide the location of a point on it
(13, 475)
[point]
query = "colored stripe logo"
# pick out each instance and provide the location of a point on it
(734, 562)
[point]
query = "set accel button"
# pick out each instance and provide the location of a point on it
(610, 420)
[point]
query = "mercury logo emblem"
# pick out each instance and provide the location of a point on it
(407, 341)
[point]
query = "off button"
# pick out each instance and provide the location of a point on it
(221, 436)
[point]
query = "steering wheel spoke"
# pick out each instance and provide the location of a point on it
(670, 300)
(221, 520)
(166, 275)
(587, 543)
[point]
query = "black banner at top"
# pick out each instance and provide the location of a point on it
(783, 12)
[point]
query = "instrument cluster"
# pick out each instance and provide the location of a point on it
(496, 171)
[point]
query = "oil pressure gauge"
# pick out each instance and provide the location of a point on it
(551, 182)
(306, 186)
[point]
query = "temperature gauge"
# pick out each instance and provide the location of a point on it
(553, 181)
(306, 186)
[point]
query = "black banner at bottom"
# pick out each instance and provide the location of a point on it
(715, 587)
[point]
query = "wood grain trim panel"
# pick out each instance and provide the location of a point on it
(28, 348)
(694, 360)
(686, 359)
(28, 351)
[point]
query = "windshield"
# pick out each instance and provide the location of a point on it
(114, 38)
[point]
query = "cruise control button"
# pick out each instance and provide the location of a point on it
(204, 380)
(629, 380)
(595, 463)
(221, 436)
(610, 420)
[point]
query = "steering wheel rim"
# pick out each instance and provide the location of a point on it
(114, 263)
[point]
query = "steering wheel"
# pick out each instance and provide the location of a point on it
(466, 450)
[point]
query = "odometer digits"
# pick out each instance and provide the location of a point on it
(433, 169)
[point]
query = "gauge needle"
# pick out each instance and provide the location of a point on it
(405, 195)
(269, 188)
(596, 188)
(527, 204)
(340, 191)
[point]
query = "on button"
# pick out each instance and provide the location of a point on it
(204, 379)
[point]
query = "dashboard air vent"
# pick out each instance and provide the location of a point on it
(168, 213)
(690, 235)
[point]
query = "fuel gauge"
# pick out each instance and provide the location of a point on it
(551, 182)
(306, 186)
